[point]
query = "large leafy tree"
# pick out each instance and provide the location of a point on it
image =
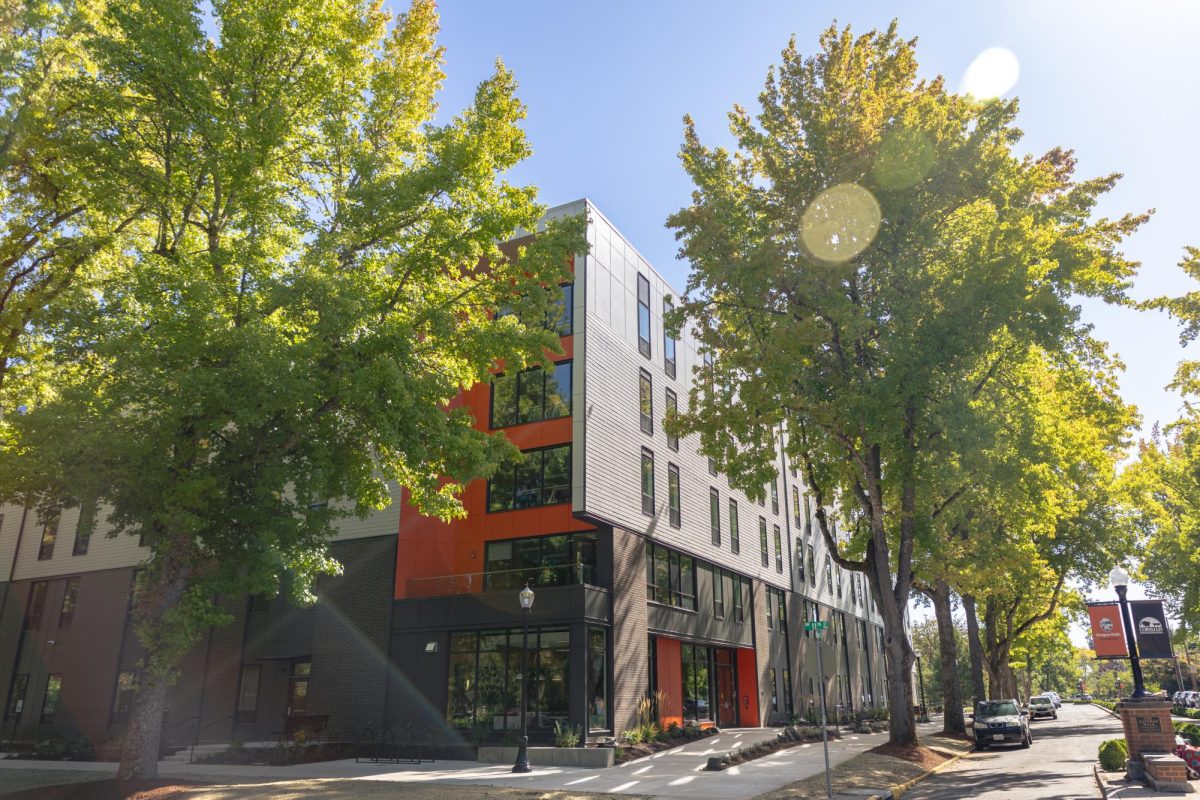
(314, 279)
(869, 257)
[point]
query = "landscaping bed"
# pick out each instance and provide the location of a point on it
(282, 755)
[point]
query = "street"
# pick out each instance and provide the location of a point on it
(1057, 767)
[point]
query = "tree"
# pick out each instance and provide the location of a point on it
(317, 276)
(862, 266)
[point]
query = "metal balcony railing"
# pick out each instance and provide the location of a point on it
(502, 580)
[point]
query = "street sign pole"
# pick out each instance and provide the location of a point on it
(817, 627)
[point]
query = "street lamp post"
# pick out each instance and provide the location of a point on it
(522, 765)
(921, 683)
(1119, 580)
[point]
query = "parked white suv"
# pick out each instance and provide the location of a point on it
(1042, 705)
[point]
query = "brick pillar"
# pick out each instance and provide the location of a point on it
(1148, 731)
(628, 643)
(762, 652)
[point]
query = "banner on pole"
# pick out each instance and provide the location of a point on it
(1108, 633)
(1150, 627)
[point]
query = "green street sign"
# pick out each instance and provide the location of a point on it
(819, 625)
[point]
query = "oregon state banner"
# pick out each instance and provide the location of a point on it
(1108, 632)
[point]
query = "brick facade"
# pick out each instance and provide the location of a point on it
(629, 642)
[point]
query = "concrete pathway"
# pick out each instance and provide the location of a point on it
(670, 773)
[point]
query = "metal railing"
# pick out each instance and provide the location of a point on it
(501, 580)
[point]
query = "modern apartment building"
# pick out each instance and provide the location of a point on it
(651, 573)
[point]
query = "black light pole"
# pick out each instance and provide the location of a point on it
(522, 765)
(1119, 579)
(921, 683)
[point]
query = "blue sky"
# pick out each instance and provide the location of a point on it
(607, 84)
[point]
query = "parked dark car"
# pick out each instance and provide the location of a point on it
(1000, 722)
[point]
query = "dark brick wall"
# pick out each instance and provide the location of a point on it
(628, 641)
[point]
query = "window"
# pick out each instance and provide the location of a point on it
(781, 601)
(762, 541)
(563, 323)
(484, 680)
(543, 478)
(597, 679)
(298, 688)
(739, 605)
(670, 577)
(16, 697)
(839, 573)
(828, 573)
(531, 396)
(775, 496)
(37, 605)
(123, 697)
(788, 708)
(800, 559)
(558, 560)
(67, 615)
(697, 681)
(673, 495)
(49, 537)
(248, 692)
(714, 515)
(84, 528)
(672, 412)
(647, 482)
(668, 341)
(796, 515)
(712, 466)
(774, 690)
(646, 402)
(643, 300)
(718, 593)
(50, 701)
(812, 566)
(770, 613)
(735, 544)
(778, 549)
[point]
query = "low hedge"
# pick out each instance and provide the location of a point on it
(1189, 731)
(1190, 713)
(1113, 754)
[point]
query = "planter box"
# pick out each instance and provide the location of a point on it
(585, 757)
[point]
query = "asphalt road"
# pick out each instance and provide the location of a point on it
(1057, 767)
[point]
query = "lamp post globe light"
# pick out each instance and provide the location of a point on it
(1119, 580)
(526, 598)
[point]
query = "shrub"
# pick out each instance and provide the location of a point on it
(567, 736)
(633, 735)
(1189, 731)
(1113, 754)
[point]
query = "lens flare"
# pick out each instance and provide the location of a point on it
(904, 159)
(992, 73)
(841, 222)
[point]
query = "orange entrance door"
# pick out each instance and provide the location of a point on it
(727, 710)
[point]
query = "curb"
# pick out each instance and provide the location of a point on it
(1109, 710)
(1101, 779)
(900, 788)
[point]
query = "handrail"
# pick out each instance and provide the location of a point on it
(196, 735)
(501, 580)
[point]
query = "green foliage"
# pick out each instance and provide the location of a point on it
(1189, 731)
(1113, 754)
(312, 274)
(870, 262)
(566, 735)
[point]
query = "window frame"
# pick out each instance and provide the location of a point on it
(775, 496)
(675, 594)
(778, 534)
(646, 402)
(714, 515)
(70, 601)
(674, 496)
(541, 453)
(14, 706)
(762, 542)
(670, 346)
(735, 542)
(49, 709)
(517, 383)
(85, 526)
(671, 410)
(718, 592)
(49, 537)
(35, 605)
(649, 502)
(643, 304)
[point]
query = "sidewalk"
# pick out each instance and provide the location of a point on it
(671, 773)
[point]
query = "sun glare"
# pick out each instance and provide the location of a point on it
(992, 73)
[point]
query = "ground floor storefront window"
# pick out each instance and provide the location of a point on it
(697, 682)
(597, 679)
(485, 679)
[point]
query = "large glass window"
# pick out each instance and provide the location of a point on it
(739, 600)
(670, 577)
(771, 679)
(543, 478)
(485, 679)
(735, 544)
(647, 482)
(37, 605)
(697, 682)
(672, 412)
(50, 701)
(668, 341)
(762, 541)
(248, 692)
(673, 499)
(559, 320)
(67, 614)
(16, 696)
(49, 537)
(531, 396)
(714, 515)
(84, 528)
(718, 580)
(597, 679)
(643, 300)
(559, 560)
(646, 402)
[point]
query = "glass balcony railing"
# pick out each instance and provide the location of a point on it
(502, 580)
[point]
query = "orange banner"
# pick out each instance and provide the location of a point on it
(1108, 634)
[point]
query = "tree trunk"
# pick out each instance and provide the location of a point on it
(975, 648)
(143, 735)
(902, 728)
(953, 722)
